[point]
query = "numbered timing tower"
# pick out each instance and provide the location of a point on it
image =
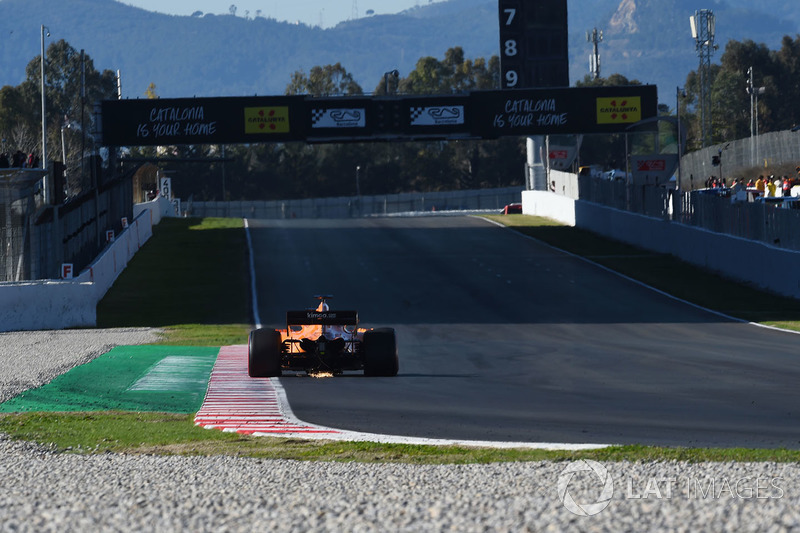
(534, 53)
(534, 50)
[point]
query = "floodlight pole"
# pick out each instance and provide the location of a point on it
(44, 105)
(753, 91)
(678, 93)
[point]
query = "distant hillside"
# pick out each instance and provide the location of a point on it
(211, 55)
(651, 40)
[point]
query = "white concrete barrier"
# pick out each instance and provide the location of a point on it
(158, 209)
(54, 304)
(549, 205)
(40, 305)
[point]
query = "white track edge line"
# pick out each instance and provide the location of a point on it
(252, 261)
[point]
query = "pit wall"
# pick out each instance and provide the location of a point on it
(749, 261)
(60, 304)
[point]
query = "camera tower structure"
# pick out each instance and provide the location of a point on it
(703, 24)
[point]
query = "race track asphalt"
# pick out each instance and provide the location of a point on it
(502, 338)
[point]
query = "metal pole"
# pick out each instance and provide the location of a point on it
(224, 192)
(358, 190)
(63, 148)
(83, 116)
(758, 155)
(9, 243)
(752, 117)
(680, 149)
(44, 105)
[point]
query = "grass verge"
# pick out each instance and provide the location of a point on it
(191, 279)
(172, 434)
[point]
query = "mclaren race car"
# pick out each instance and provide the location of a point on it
(322, 341)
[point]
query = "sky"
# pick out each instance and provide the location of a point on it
(325, 13)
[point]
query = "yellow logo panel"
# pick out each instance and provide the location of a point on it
(266, 120)
(619, 110)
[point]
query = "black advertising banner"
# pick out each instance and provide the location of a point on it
(562, 111)
(476, 115)
(159, 122)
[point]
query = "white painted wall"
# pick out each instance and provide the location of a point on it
(54, 304)
(550, 205)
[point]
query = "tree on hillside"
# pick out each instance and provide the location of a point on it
(20, 107)
(16, 120)
(785, 101)
(63, 82)
(452, 74)
(730, 111)
(330, 80)
(777, 71)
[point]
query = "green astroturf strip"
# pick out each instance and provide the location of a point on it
(170, 379)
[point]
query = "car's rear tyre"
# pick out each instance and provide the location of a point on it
(380, 352)
(264, 353)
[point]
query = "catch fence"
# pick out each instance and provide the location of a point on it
(769, 222)
(38, 238)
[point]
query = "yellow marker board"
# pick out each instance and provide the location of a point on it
(266, 120)
(621, 110)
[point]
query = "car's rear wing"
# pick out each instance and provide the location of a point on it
(322, 318)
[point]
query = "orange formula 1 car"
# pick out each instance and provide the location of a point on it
(322, 341)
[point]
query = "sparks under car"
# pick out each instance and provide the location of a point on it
(322, 340)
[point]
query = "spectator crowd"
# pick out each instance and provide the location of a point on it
(19, 160)
(764, 186)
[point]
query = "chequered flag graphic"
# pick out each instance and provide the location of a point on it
(316, 115)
